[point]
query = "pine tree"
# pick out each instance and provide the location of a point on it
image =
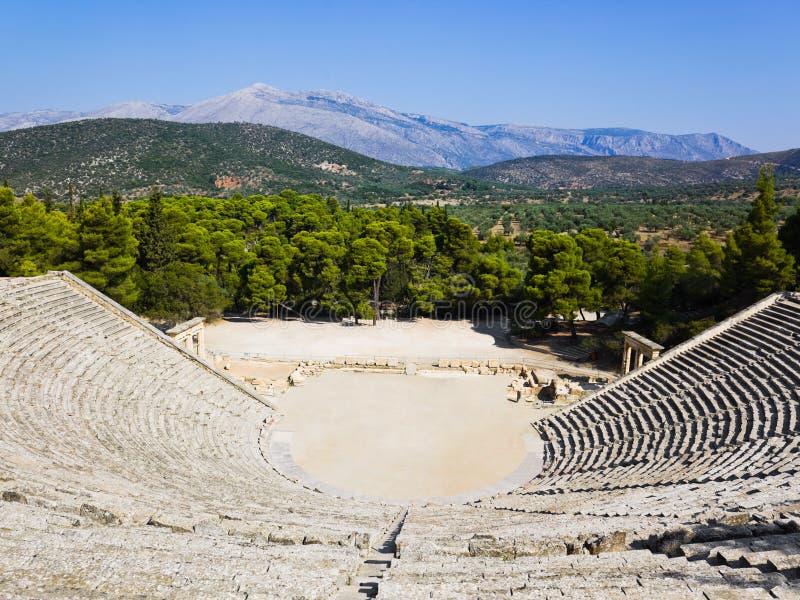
(107, 251)
(755, 260)
(557, 279)
(9, 224)
(790, 235)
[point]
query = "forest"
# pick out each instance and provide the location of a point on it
(171, 258)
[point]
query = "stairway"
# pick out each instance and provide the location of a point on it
(365, 582)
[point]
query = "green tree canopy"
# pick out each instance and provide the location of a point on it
(755, 260)
(107, 251)
(557, 279)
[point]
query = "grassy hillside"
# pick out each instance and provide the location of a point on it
(585, 172)
(215, 159)
(219, 159)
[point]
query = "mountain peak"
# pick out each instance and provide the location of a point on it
(407, 139)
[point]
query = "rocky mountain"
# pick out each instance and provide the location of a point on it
(402, 138)
(584, 172)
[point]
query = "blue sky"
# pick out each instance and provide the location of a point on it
(732, 67)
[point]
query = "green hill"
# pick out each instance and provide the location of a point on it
(214, 159)
(219, 159)
(593, 172)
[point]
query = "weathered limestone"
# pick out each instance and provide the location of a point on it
(723, 407)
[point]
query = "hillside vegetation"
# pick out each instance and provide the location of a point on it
(586, 172)
(215, 159)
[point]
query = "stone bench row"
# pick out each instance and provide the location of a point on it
(637, 574)
(683, 500)
(47, 554)
(581, 450)
(753, 459)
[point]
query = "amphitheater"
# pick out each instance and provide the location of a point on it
(131, 468)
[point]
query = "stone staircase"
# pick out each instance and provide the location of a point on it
(365, 583)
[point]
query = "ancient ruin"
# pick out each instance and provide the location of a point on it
(636, 350)
(191, 334)
(130, 466)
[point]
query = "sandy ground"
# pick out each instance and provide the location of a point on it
(266, 371)
(400, 436)
(422, 339)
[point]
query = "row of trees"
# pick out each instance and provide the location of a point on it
(183, 256)
(174, 257)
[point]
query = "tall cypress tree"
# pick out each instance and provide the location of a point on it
(70, 201)
(116, 201)
(48, 200)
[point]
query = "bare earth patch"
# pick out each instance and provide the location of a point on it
(406, 437)
(424, 338)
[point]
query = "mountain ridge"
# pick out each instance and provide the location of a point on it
(587, 172)
(408, 139)
(211, 159)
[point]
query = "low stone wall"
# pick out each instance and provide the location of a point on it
(477, 366)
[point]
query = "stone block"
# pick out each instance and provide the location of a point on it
(613, 542)
(489, 546)
(98, 514)
(546, 547)
(12, 496)
(493, 363)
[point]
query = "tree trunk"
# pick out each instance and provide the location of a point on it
(376, 299)
(573, 330)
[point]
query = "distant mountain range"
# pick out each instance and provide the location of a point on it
(584, 172)
(401, 138)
